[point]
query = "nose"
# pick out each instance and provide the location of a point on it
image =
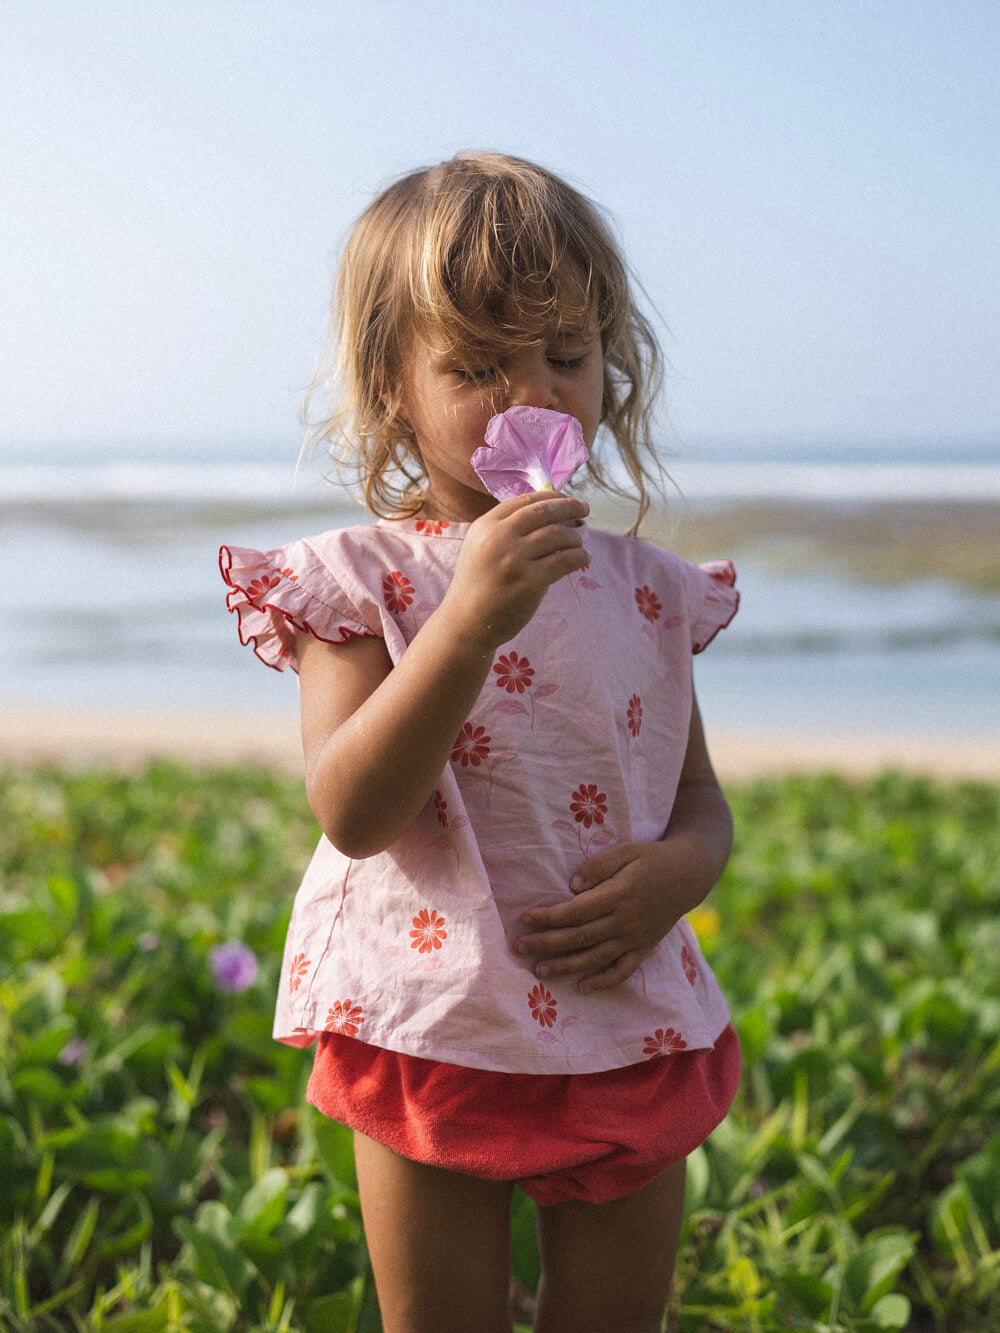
(532, 382)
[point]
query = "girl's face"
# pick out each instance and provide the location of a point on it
(449, 404)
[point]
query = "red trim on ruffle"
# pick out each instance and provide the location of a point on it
(723, 572)
(251, 640)
(700, 647)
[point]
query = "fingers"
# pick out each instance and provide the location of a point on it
(539, 508)
(569, 939)
(572, 912)
(603, 865)
(612, 976)
(589, 962)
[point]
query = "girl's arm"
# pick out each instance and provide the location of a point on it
(630, 895)
(377, 737)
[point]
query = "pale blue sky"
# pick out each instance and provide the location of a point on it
(809, 192)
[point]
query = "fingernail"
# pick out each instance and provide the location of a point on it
(576, 882)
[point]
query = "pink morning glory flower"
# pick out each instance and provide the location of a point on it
(234, 966)
(529, 449)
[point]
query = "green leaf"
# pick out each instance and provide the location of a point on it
(811, 1293)
(263, 1206)
(217, 1261)
(525, 1263)
(335, 1145)
(331, 1314)
(891, 1312)
(871, 1270)
(139, 1321)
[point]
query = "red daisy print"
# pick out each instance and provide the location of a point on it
(634, 715)
(291, 574)
(397, 591)
(513, 673)
(300, 966)
(471, 746)
(431, 527)
(648, 603)
(428, 931)
(588, 805)
(689, 965)
(664, 1041)
(344, 1018)
(441, 806)
(258, 587)
(543, 1006)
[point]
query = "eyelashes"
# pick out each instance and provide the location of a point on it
(482, 375)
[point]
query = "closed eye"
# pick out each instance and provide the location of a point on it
(567, 363)
(477, 374)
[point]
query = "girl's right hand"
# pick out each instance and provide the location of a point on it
(510, 557)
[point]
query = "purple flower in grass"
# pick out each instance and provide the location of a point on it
(529, 449)
(234, 966)
(73, 1052)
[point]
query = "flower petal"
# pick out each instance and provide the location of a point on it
(528, 449)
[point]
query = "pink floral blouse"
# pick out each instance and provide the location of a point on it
(575, 742)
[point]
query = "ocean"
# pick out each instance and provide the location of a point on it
(115, 600)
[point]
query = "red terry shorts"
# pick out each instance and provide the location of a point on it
(559, 1136)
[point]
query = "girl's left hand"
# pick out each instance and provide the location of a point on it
(628, 897)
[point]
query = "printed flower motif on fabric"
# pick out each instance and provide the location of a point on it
(650, 608)
(421, 951)
(664, 1041)
(344, 1018)
(630, 725)
(544, 1010)
(472, 751)
(472, 746)
(257, 588)
(300, 966)
(648, 603)
(634, 714)
(398, 591)
(515, 674)
(431, 527)
(588, 805)
(449, 823)
(428, 931)
(689, 965)
(291, 575)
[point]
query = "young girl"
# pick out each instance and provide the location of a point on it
(505, 756)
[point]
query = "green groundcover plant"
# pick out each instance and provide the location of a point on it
(161, 1170)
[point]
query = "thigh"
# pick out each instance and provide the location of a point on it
(608, 1266)
(439, 1243)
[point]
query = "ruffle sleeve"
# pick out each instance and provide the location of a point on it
(712, 601)
(274, 593)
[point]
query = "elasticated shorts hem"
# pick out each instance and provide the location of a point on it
(594, 1137)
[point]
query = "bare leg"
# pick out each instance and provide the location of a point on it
(439, 1243)
(607, 1267)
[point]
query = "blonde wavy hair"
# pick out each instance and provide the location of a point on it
(484, 253)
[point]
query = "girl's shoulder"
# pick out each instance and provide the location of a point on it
(664, 587)
(634, 553)
(387, 536)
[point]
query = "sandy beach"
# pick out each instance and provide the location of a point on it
(130, 739)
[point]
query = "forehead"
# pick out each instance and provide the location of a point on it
(500, 339)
